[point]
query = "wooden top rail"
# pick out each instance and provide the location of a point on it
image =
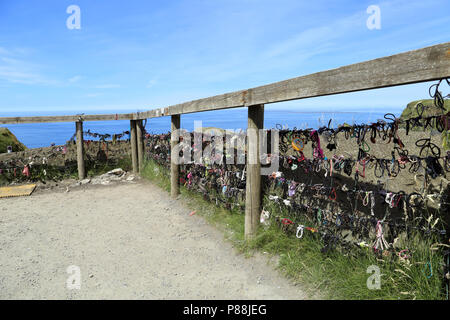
(75, 118)
(427, 64)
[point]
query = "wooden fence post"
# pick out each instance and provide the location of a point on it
(253, 182)
(140, 143)
(174, 167)
(133, 142)
(80, 150)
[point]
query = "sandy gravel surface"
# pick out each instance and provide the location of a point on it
(131, 241)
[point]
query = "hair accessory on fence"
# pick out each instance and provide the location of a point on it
(372, 203)
(380, 243)
(299, 233)
(292, 188)
(286, 221)
(363, 244)
(264, 218)
(332, 143)
(389, 199)
(332, 195)
(430, 270)
(338, 220)
(319, 215)
(298, 144)
(331, 167)
(365, 200)
(437, 96)
(403, 254)
(26, 171)
(275, 175)
(317, 150)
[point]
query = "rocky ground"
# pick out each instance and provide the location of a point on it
(110, 178)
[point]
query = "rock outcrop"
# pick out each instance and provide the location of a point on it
(7, 138)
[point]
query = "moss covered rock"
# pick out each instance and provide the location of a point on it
(9, 139)
(430, 109)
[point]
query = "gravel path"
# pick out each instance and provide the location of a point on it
(130, 241)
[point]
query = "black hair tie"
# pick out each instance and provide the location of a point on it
(434, 168)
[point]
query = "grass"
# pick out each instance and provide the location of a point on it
(334, 275)
(411, 112)
(94, 169)
(430, 109)
(7, 138)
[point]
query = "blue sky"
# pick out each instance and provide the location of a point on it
(139, 55)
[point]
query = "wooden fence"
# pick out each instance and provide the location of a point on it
(427, 64)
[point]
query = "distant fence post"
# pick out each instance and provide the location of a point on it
(253, 183)
(133, 142)
(140, 143)
(80, 150)
(174, 167)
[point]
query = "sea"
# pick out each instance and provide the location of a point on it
(36, 135)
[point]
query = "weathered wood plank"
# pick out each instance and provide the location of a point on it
(253, 183)
(223, 101)
(80, 150)
(174, 166)
(427, 64)
(73, 118)
(134, 147)
(431, 63)
(140, 143)
(422, 65)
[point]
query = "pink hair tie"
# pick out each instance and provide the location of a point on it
(26, 171)
(402, 254)
(318, 152)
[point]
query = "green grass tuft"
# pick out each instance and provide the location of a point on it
(7, 138)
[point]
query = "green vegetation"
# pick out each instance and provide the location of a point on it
(410, 111)
(430, 110)
(9, 139)
(334, 275)
(69, 171)
(94, 169)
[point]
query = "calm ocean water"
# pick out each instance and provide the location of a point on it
(44, 134)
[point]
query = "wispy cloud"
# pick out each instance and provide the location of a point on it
(14, 69)
(20, 75)
(107, 86)
(317, 39)
(182, 50)
(3, 51)
(75, 79)
(151, 83)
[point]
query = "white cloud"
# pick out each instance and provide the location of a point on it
(15, 70)
(14, 75)
(151, 83)
(75, 79)
(312, 40)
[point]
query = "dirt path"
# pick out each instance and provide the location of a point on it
(131, 242)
